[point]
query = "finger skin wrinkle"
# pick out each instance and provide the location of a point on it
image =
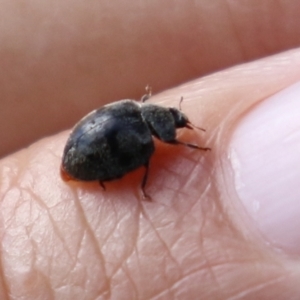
(133, 269)
(4, 290)
(125, 267)
(118, 216)
(174, 289)
(168, 252)
(216, 279)
(111, 229)
(9, 177)
(49, 237)
(72, 257)
(123, 246)
(31, 236)
(251, 291)
(90, 233)
(160, 239)
(133, 287)
(53, 223)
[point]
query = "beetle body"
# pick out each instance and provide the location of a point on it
(111, 141)
(108, 143)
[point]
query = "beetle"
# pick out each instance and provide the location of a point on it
(118, 138)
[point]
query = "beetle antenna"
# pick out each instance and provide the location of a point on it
(192, 126)
(189, 125)
(148, 94)
(181, 99)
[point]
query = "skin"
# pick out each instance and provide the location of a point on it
(74, 241)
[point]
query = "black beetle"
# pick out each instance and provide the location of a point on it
(113, 140)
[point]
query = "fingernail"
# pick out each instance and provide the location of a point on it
(265, 157)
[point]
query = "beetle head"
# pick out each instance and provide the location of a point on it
(180, 119)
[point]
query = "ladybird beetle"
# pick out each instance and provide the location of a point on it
(117, 138)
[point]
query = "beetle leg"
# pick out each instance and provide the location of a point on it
(144, 181)
(102, 185)
(175, 142)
